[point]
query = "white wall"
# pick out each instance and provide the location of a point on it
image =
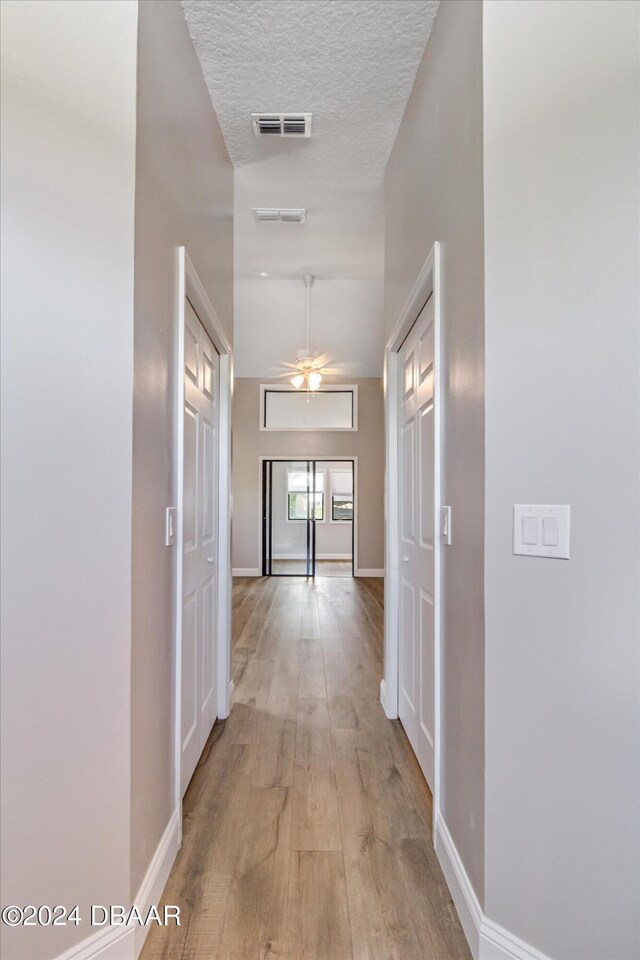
(184, 195)
(433, 191)
(289, 540)
(68, 172)
(562, 395)
(333, 539)
(270, 324)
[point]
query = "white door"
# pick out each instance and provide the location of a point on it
(417, 538)
(200, 536)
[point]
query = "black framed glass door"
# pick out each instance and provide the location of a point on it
(290, 504)
(308, 518)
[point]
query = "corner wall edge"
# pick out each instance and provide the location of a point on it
(487, 939)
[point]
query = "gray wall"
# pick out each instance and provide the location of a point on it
(184, 195)
(433, 191)
(68, 174)
(562, 253)
(250, 443)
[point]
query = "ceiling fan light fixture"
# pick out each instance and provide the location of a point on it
(309, 377)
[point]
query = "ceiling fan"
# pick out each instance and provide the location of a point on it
(309, 367)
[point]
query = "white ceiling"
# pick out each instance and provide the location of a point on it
(352, 64)
(270, 325)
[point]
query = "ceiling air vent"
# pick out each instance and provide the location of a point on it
(281, 124)
(296, 215)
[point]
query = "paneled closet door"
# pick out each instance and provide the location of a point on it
(200, 541)
(417, 538)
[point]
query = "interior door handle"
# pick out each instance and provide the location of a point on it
(405, 559)
(209, 559)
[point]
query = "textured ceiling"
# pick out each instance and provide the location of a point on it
(352, 64)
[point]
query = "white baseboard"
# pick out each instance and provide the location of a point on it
(126, 942)
(319, 556)
(255, 571)
(487, 940)
(463, 894)
(383, 701)
(107, 943)
(157, 875)
(369, 572)
(496, 943)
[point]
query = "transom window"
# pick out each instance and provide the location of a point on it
(332, 407)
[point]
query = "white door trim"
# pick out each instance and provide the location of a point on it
(428, 282)
(189, 287)
(320, 458)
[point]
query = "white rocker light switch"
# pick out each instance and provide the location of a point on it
(445, 525)
(541, 530)
(170, 526)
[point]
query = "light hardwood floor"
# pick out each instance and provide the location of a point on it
(307, 823)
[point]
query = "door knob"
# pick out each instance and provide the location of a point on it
(209, 559)
(405, 559)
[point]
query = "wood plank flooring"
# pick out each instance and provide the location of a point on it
(307, 823)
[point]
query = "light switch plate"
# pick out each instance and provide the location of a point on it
(542, 530)
(445, 525)
(170, 526)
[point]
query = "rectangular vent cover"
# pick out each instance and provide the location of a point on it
(281, 124)
(295, 215)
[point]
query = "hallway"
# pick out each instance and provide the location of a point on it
(343, 287)
(307, 823)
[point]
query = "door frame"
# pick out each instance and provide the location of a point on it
(322, 458)
(428, 283)
(189, 287)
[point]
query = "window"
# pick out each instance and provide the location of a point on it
(341, 507)
(330, 408)
(341, 496)
(299, 495)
